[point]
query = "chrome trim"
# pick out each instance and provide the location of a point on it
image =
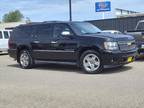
(54, 51)
(127, 45)
(53, 42)
(126, 42)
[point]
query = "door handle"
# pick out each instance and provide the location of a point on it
(53, 42)
(34, 36)
(36, 42)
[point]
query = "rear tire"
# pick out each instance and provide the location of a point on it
(25, 59)
(90, 62)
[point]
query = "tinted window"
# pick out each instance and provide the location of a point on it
(44, 31)
(1, 35)
(16, 34)
(59, 28)
(6, 34)
(26, 30)
(140, 26)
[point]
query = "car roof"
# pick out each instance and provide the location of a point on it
(49, 22)
(111, 31)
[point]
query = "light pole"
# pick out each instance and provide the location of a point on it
(70, 10)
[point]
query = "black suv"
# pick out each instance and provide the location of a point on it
(77, 42)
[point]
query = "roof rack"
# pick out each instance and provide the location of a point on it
(53, 21)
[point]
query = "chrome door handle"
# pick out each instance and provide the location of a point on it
(53, 42)
(36, 42)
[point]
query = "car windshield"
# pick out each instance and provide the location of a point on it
(86, 28)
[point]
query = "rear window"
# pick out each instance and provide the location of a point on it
(6, 34)
(26, 29)
(17, 33)
(1, 35)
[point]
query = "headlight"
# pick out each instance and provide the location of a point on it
(111, 45)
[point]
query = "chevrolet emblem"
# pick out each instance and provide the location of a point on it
(129, 43)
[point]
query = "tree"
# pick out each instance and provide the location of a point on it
(13, 16)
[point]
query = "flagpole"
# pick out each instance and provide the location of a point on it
(70, 10)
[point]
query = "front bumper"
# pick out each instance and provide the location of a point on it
(118, 58)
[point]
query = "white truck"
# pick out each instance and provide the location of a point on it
(138, 34)
(4, 37)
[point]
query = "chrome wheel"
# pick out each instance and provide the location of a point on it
(24, 59)
(91, 62)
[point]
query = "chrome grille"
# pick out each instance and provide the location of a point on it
(127, 45)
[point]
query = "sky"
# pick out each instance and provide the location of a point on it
(47, 10)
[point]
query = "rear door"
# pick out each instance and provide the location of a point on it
(41, 43)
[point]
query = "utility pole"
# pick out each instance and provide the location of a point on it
(70, 10)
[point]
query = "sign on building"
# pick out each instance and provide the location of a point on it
(103, 6)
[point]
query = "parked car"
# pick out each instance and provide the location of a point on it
(138, 34)
(76, 42)
(4, 36)
(112, 31)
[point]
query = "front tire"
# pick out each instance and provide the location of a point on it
(25, 59)
(91, 62)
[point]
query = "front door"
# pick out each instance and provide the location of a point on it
(63, 47)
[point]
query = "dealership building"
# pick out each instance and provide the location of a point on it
(10, 25)
(124, 20)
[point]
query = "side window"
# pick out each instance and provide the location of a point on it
(6, 35)
(140, 26)
(44, 31)
(59, 28)
(1, 35)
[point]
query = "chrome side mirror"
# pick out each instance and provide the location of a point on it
(66, 33)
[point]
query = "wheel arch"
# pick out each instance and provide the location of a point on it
(82, 50)
(20, 48)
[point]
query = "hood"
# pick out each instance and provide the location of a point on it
(116, 37)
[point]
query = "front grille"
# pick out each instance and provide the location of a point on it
(127, 45)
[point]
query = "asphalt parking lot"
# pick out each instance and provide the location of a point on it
(64, 86)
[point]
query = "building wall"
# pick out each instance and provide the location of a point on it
(10, 25)
(121, 24)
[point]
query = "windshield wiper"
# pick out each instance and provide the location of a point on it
(92, 33)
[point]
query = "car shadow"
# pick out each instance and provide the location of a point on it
(1, 54)
(57, 67)
(116, 70)
(139, 60)
(73, 68)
